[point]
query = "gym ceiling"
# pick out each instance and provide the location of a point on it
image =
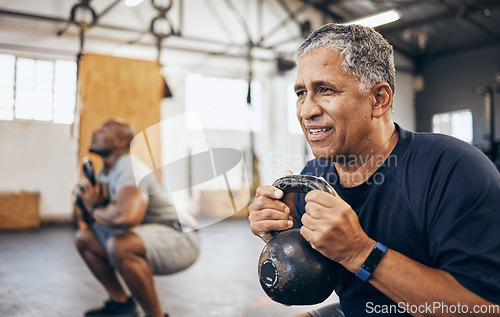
(272, 28)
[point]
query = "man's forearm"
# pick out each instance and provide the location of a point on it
(109, 215)
(427, 291)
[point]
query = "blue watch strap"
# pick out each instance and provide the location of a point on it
(363, 274)
(371, 262)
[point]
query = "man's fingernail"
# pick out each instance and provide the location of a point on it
(290, 223)
(287, 210)
(277, 194)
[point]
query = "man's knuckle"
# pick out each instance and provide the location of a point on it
(267, 214)
(261, 190)
(258, 202)
(267, 226)
(251, 208)
(254, 229)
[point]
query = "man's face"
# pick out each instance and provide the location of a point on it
(334, 114)
(103, 140)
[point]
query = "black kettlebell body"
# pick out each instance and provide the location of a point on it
(291, 272)
(88, 172)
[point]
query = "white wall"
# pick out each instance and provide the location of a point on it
(40, 157)
(404, 99)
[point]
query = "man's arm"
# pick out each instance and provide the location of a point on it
(329, 218)
(126, 210)
(407, 281)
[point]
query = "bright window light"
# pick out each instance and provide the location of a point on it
(454, 123)
(132, 3)
(32, 89)
(378, 19)
(8, 66)
(34, 83)
(64, 92)
(25, 88)
(221, 103)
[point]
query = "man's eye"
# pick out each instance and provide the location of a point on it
(300, 93)
(325, 90)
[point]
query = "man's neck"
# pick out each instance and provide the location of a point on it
(110, 160)
(357, 170)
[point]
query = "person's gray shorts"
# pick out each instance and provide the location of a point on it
(333, 310)
(167, 250)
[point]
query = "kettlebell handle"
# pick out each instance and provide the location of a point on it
(88, 170)
(301, 184)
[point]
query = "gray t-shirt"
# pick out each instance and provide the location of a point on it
(129, 171)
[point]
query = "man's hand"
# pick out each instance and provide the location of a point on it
(92, 195)
(267, 213)
(332, 227)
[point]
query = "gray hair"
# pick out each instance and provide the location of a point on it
(367, 55)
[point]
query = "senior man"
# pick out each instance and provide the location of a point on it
(416, 218)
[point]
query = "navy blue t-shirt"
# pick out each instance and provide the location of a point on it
(436, 200)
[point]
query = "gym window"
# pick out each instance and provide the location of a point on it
(35, 89)
(221, 103)
(455, 123)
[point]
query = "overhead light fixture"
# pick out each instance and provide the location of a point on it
(132, 3)
(377, 19)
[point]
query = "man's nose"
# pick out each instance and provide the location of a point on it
(310, 108)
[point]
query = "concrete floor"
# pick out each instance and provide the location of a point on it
(41, 275)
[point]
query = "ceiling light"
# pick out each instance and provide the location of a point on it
(377, 19)
(132, 3)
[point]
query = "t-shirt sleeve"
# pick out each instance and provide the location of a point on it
(125, 179)
(125, 176)
(463, 220)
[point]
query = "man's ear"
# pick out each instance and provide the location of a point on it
(120, 142)
(382, 99)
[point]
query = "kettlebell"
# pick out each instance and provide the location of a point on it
(88, 172)
(291, 272)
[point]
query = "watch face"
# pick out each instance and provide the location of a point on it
(369, 266)
(373, 259)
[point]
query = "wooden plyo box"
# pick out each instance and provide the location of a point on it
(19, 210)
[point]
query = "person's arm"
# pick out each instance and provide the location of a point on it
(328, 218)
(127, 209)
(404, 280)
(268, 213)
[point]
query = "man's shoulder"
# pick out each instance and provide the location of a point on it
(434, 157)
(435, 146)
(430, 138)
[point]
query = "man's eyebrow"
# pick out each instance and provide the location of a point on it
(317, 83)
(298, 87)
(322, 83)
